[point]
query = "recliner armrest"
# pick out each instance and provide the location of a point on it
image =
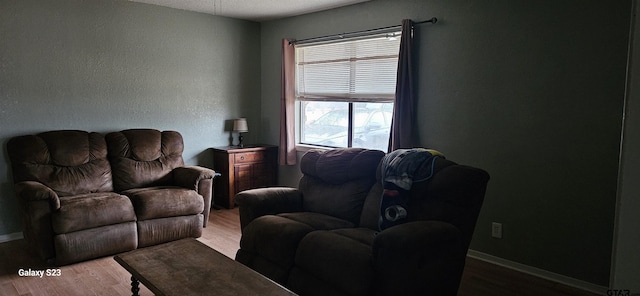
(199, 179)
(254, 203)
(433, 247)
(190, 176)
(34, 191)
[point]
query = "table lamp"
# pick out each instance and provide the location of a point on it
(240, 126)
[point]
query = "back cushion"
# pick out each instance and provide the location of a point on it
(69, 162)
(336, 182)
(454, 195)
(144, 157)
(420, 195)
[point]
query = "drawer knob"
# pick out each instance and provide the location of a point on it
(242, 157)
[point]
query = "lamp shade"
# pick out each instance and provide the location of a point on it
(240, 125)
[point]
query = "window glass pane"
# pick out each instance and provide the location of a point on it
(371, 124)
(324, 123)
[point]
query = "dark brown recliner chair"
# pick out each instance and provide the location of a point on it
(323, 238)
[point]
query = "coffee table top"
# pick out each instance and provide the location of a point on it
(188, 267)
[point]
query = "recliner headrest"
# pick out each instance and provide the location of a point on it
(340, 165)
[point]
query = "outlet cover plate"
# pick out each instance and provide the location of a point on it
(496, 230)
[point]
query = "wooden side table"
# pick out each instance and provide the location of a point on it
(242, 168)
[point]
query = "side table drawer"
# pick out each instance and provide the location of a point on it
(248, 157)
(243, 176)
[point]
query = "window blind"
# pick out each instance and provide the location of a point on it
(349, 70)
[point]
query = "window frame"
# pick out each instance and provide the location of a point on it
(349, 100)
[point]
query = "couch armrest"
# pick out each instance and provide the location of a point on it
(35, 191)
(254, 203)
(422, 257)
(38, 202)
(190, 176)
(199, 179)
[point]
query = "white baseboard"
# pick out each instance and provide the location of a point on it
(541, 273)
(10, 237)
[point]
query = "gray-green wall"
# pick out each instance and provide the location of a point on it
(111, 65)
(626, 259)
(531, 91)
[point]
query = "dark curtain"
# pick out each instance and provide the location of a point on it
(287, 153)
(403, 131)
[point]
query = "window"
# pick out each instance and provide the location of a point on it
(345, 91)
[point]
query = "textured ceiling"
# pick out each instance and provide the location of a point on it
(254, 10)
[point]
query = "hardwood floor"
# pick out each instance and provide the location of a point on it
(481, 278)
(105, 277)
(100, 276)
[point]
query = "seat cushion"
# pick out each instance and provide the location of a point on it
(85, 211)
(95, 242)
(339, 258)
(274, 238)
(269, 243)
(157, 231)
(164, 201)
(318, 221)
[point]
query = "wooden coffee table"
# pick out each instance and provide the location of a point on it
(188, 267)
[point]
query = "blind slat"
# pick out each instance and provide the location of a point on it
(363, 69)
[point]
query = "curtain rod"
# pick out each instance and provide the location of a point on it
(433, 20)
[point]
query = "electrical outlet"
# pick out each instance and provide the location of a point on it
(496, 230)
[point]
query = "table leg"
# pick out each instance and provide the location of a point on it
(135, 286)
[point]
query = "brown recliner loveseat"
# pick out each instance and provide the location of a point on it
(84, 195)
(323, 238)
